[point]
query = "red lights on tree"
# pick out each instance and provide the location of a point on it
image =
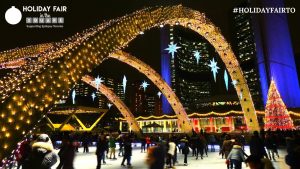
(277, 116)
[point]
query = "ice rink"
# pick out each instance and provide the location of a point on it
(88, 160)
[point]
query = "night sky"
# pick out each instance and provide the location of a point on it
(84, 14)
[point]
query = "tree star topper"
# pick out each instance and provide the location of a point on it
(144, 85)
(214, 67)
(172, 49)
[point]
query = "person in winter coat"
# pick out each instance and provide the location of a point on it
(127, 151)
(171, 153)
(112, 147)
(257, 147)
(100, 151)
(156, 157)
(185, 151)
(236, 157)
(67, 153)
(226, 148)
(42, 155)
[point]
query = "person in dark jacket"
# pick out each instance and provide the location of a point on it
(67, 153)
(156, 157)
(257, 147)
(100, 151)
(185, 152)
(143, 144)
(127, 151)
(42, 155)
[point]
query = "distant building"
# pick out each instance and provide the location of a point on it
(245, 50)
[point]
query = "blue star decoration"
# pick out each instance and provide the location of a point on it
(109, 105)
(93, 96)
(197, 56)
(98, 81)
(144, 85)
(226, 79)
(234, 82)
(73, 96)
(214, 67)
(172, 48)
(124, 83)
(158, 94)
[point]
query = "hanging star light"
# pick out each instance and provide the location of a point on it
(93, 96)
(144, 85)
(197, 56)
(98, 81)
(172, 49)
(73, 96)
(109, 105)
(158, 94)
(124, 83)
(234, 82)
(226, 79)
(214, 67)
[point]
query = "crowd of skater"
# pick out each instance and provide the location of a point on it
(37, 152)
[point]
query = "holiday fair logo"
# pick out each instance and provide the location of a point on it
(44, 16)
(13, 15)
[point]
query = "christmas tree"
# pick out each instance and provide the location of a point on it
(277, 116)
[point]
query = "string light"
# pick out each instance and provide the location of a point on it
(90, 48)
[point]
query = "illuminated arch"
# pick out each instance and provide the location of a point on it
(183, 120)
(42, 88)
(112, 97)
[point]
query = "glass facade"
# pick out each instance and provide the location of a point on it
(245, 51)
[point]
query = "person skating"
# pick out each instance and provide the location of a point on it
(100, 151)
(112, 147)
(67, 153)
(156, 156)
(127, 152)
(236, 157)
(170, 154)
(42, 155)
(185, 152)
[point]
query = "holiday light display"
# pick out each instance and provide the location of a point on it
(197, 56)
(144, 85)
(124, 82)
(226, 79)
(113, 98)
(277, 116)
(165, 89)
(172, 48)
(214, 67)
(35, 86)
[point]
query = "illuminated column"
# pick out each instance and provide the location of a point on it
(275, 54)
(165, 66)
